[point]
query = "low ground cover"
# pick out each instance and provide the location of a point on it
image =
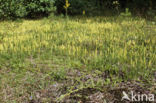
(75, 55)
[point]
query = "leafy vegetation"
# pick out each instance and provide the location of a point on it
(12, 9)
(105, 7)
(34, 55)
(80, 59)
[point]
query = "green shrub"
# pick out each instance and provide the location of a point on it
(10, 9)
(37, 8)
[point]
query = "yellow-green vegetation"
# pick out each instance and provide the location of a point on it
(31, 50)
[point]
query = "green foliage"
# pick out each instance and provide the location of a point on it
(10, 9)
(101, 6)
(106, 44)
(76, 6)
(38, 53)
(127, 13)
(151, 12)
(58, 74)
(37, 8)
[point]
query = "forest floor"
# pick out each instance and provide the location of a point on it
(77, 60)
